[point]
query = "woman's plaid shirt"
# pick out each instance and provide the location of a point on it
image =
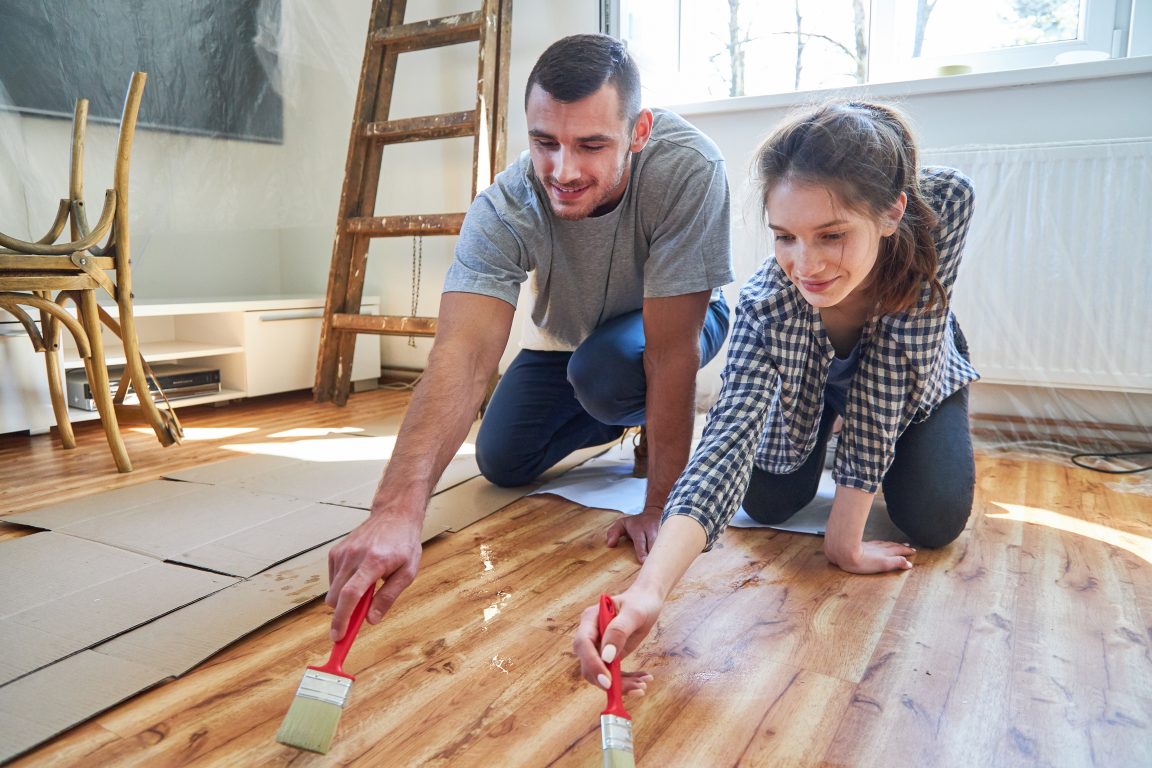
(773, 381)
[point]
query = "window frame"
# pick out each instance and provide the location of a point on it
(1098, 27)
(1119, 28)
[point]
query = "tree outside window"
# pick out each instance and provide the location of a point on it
(697, 50)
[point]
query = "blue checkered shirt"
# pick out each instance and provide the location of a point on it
(773, 381)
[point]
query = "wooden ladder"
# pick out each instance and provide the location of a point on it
(372, 130)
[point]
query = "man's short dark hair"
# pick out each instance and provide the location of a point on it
(576, 67)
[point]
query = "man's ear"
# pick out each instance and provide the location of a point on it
(641, 131)
(894, 214)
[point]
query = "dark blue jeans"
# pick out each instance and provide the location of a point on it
(928, 488)
(549, 404)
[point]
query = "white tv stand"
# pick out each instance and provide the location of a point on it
(261, 345)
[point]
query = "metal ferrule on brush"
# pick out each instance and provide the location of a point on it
(331, 689)
(615, 733)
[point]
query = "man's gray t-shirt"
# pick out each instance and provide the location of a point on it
(669, 236)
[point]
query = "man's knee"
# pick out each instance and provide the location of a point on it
(500, 463)
(499, 471)
(609, 383)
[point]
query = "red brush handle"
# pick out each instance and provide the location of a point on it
(615, 702)
(335, 663)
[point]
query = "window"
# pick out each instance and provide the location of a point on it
(698, 50)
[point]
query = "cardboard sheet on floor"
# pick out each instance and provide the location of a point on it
(390, 425)
(340, 469)
(55, 697)
(37, 707)
(176, 643)
(63, 594)
(227, 529)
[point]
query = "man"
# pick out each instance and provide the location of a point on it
(621, 218)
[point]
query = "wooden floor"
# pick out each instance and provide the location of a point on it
(1024, 643)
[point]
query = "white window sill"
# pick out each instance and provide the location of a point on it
(977, 81)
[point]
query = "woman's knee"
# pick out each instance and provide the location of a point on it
(932, 520)
(772, 499)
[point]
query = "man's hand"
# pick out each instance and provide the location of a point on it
(382, 547)
(637, 612)
(641, 529)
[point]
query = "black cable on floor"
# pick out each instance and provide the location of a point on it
(1106, 456)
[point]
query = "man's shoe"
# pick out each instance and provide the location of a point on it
(640, 468)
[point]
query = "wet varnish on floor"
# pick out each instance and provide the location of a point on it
(1024, 643)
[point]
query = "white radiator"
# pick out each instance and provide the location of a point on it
(1054, 287)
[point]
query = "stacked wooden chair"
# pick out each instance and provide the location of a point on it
(45, 275)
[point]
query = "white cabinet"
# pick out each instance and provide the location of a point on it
(284, 357)
(260, 345)
(24, 400)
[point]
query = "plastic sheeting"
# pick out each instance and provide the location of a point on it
(1053, 293)
(242, 139)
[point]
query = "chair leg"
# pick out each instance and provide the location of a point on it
(98, 379)
(56, 388)
(163, 421)
(57, 391)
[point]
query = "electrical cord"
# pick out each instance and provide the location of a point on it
(1106, 456)
(403, 386)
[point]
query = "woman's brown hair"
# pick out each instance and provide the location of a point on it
(866, 155)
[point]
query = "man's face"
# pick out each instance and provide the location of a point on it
(580, 150)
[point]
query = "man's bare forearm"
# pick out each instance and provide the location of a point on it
(670, 405)
(671, 360)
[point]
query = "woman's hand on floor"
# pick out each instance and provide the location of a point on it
(870, 556)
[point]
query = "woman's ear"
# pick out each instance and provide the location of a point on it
(892, 217)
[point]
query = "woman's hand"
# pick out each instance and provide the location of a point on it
(843, 539)
(636, 614)
(870, 556)
(638, 607)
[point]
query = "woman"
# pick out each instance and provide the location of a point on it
(851, 319)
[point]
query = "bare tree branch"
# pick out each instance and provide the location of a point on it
(800, 43)
(923, 11)
(861, 39)
(816, 36)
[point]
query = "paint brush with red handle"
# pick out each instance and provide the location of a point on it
(315, 712)
(615, 722)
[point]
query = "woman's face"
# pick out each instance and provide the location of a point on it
(827, 250)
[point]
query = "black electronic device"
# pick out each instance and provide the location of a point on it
(177, 381)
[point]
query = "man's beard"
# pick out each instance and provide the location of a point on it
(587, 210)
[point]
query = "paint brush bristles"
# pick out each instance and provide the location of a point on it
(315, 712)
